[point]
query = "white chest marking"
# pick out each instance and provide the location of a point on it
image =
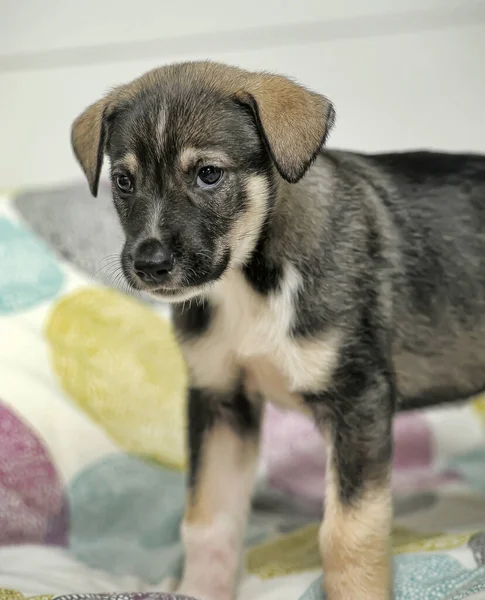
(252, 333)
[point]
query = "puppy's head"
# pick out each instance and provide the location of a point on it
(195, 150)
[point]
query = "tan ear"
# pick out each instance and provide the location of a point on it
(88, 138)
(294, 122)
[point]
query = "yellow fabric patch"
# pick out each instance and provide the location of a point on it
(478, 406)
(294, 552)
(437, 542)
(298, 551)
(121, 363)
(13, 595)
(402, 537)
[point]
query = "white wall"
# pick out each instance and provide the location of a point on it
(402, 74)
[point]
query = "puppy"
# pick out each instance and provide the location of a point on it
(349, 293)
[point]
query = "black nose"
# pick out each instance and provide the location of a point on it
(153, 261)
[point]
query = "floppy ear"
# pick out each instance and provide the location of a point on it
(294, 122)
(88, 139)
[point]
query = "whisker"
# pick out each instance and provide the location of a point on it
(101, 269)
(109, 257)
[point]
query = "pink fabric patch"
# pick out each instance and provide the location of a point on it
(293, 453)
(412, 442)
(32, 504)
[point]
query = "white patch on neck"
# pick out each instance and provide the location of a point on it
(266, 321)
(252, 332)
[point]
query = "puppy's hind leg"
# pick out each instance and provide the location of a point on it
(355, 533)
(223, 445)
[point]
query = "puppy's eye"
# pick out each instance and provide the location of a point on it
(124, 183)
(209, 176)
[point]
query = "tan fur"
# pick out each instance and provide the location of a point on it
(190, 157)
(280, 105)
(216, 515)
(85, 138)
(354, 543)
(244, 235)
(227, 452)
(129, 161)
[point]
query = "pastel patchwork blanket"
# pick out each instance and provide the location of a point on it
(92, 451)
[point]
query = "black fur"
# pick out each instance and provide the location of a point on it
(262, 272)
(195, 320)
(207, 409)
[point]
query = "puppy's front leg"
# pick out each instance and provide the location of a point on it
(223, 444)
(355, 533)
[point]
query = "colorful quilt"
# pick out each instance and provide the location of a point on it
(92, 451)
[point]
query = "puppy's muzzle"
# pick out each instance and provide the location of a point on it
(153, 262)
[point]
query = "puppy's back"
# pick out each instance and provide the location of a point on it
(436, 204)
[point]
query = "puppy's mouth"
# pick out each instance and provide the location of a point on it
(166, 293)
(174, 295)
(179, 294)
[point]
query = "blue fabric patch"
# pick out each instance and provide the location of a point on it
(30, 273)
(125, 517)
(471, 467)
(425, 577)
